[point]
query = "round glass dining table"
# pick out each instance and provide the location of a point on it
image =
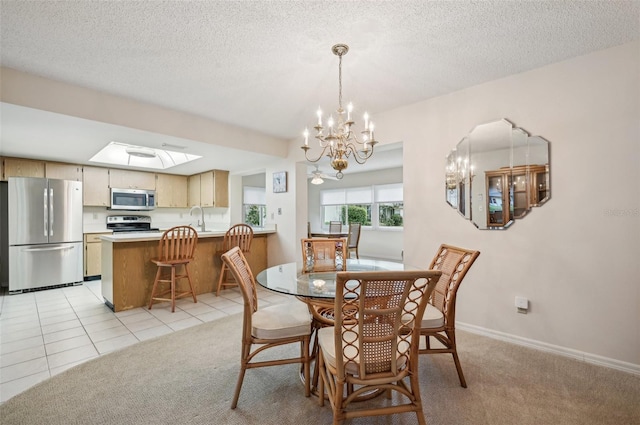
(289, 279)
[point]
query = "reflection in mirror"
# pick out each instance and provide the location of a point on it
(452, 184)
(496, 174)
(458, 178)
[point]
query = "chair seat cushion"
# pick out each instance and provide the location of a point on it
(432, 317)
(281, 321)
(327, 345)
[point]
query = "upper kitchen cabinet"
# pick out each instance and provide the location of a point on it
(95, 186)
(171, 191)
(127, 179)
(193, 184)
(62, 171)
(20, 167)
(209, 189)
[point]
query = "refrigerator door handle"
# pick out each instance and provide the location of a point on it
(51, 212)
(47, 248)
(46, 213)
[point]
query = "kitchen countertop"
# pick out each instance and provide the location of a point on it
(154, 236)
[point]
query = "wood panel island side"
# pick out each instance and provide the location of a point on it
(128, 273)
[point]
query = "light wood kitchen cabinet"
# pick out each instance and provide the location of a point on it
(95, 186)
(93, 254)
(20, 167)
(193, 183)
(171, 190)
(210, 189)
(63, 171)
(128, 179)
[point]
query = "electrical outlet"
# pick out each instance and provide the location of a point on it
(522, 304)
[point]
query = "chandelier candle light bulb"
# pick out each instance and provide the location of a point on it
(340, 141)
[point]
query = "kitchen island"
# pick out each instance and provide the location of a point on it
(128, 273)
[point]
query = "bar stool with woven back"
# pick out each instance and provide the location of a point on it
(175, 248)
(239, 235)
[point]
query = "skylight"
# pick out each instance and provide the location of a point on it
(118, 153)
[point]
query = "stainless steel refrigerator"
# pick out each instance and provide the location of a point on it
(45, 232)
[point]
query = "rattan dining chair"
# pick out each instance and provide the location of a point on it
(324, 254)
(354, 239)
(175, 249)
(373, 347)
(240, 235)
(276, 325)
(439, 319)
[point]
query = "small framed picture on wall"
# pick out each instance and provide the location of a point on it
(280, 182)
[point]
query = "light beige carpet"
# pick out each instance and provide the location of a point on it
(188, 377)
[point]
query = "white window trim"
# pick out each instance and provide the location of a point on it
(388, 192)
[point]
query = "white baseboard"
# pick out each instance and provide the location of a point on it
(550, 348)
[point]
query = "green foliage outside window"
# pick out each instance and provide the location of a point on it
(253, 216)
(390, 214)
(357, 214)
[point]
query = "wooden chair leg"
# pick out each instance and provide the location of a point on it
(307, 366)
(320, 369)
(173, 289)
(193, 293)
(246, 350)
(155, 286)
(223, 271)
(456, 360)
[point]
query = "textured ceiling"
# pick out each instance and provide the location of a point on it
(267, 65)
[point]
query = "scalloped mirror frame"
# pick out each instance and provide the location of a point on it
(494, 156)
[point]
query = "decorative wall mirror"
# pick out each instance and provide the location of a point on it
(496, 174)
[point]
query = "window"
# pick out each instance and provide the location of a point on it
(390, 205)
(376, 206)
(254, 206)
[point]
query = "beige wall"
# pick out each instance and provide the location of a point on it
(28, 90)
(577, 257)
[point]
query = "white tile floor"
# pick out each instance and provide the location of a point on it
(45, 332)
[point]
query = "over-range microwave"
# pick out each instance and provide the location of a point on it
(133, 199)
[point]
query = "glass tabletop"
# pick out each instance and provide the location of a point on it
(289, 279)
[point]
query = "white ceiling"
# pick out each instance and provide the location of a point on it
(266, 66)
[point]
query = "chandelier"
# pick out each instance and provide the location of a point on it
(458, 171)
(340, 142)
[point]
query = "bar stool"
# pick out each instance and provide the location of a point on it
(239, 235)
(175, 248)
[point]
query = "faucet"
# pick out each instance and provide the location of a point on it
(198, 207)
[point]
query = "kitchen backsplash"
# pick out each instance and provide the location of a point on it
(95, 218)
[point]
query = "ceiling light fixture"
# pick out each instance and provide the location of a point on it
(317, 179)
(140, 152)
(124, 154)
(341, 142)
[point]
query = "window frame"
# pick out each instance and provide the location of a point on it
(379, 194)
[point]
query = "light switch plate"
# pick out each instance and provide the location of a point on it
(522, 302)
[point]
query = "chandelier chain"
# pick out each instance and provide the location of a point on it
(340, 82)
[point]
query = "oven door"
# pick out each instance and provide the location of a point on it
(132, 199)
